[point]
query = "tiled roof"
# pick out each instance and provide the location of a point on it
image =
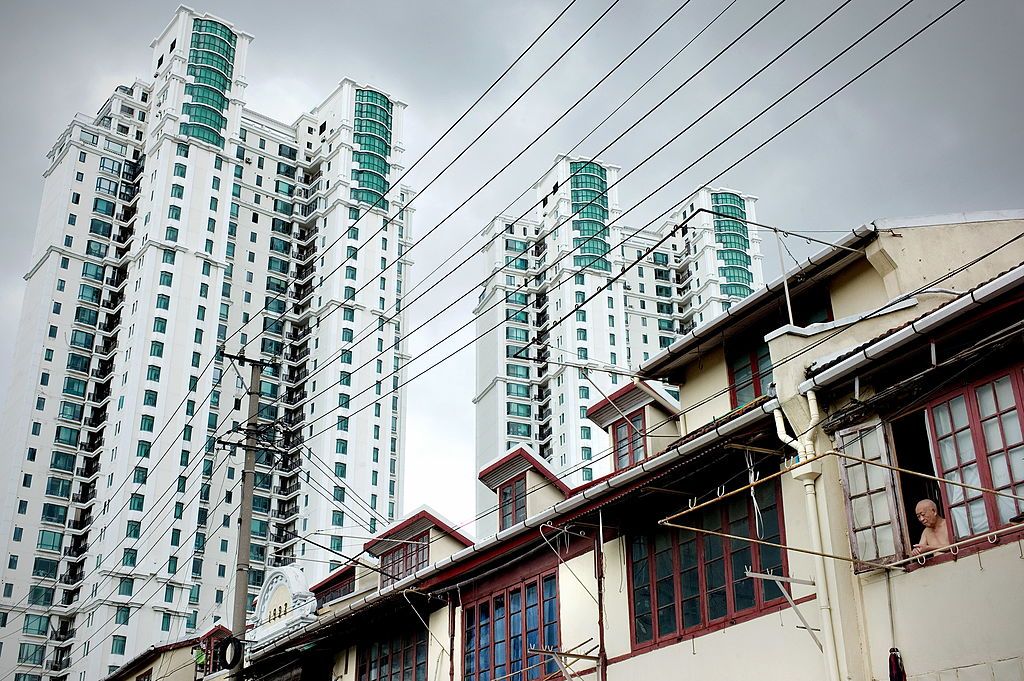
(708, 427)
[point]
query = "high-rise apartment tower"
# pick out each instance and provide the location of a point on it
(170, 220)
(535, 380)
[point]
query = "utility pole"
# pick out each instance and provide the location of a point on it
(238, 611)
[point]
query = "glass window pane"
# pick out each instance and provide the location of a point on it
(965, 446)
(1004, 392)
(986, 400)
(1011, 427)
(993, 436)
(943, 425)
(886, 540)
(947, 453)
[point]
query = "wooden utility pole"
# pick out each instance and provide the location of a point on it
(238, 612)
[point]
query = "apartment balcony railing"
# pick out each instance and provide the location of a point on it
(61, 635)
(76, 551)
(289, 489)
(288, 512)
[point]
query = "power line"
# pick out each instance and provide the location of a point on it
(764, 16)
(791, 357)
(568, 153)
(451, 127)
(658, 189)
(812, 346)
(125, 482)
(961, 1)
(457, 157)
(629, 129)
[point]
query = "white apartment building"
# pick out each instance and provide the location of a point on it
(536, 380)
(539, 397)
(173, 222)
(696, 274)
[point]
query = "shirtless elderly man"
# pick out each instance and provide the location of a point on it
(936, 531)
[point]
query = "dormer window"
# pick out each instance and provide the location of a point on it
(512, 501)
(411, 545)
(629, 440)
(406, 558)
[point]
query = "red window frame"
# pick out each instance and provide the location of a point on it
(512, 502)
(403, 560)
(687, 564)
(978, 450)
(629, 439)
(517, 629)
(343, 588)
(401, 658)
(752, 360)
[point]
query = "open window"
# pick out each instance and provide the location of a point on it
(871, 493)
(971, 437)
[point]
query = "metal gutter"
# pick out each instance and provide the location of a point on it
(968, 301)
(666, 458)
(714, 327)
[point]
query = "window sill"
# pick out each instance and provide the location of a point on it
(976, 545)
(775, 606)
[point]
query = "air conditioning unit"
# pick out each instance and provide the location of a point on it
(248, 160)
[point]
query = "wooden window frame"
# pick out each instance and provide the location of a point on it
(890, 488)
(764, 601)
(409, 556)
(752, 361)
(546, 635)
(512, 510)
(975, 429)
(636, 439)
(375, 660)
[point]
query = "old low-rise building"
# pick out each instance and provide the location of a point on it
(187, 659)
(765, 524)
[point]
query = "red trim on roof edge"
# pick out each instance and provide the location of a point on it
(434, 520)
(534, 462)
(624, 390)
(331, 578)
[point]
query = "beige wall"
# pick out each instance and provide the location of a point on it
(922, 254)
(577, 608)
(660, 436)
(769, 648)
(857, 288)
(959, 620)
(704, 380)
(541, 494)
(345, 664)
(174, 665)
(442, 545)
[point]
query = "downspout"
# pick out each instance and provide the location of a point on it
(780, 431)
(602, 655)
(451, 639)
(808, 475)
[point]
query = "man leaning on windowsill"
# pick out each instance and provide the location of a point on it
(936, 530)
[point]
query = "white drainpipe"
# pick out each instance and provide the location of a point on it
(804, 447)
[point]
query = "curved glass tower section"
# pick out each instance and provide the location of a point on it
(589, 187)
(211, 59)
(733, 239)
(372, 134)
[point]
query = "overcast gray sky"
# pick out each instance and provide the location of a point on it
(934, 129)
